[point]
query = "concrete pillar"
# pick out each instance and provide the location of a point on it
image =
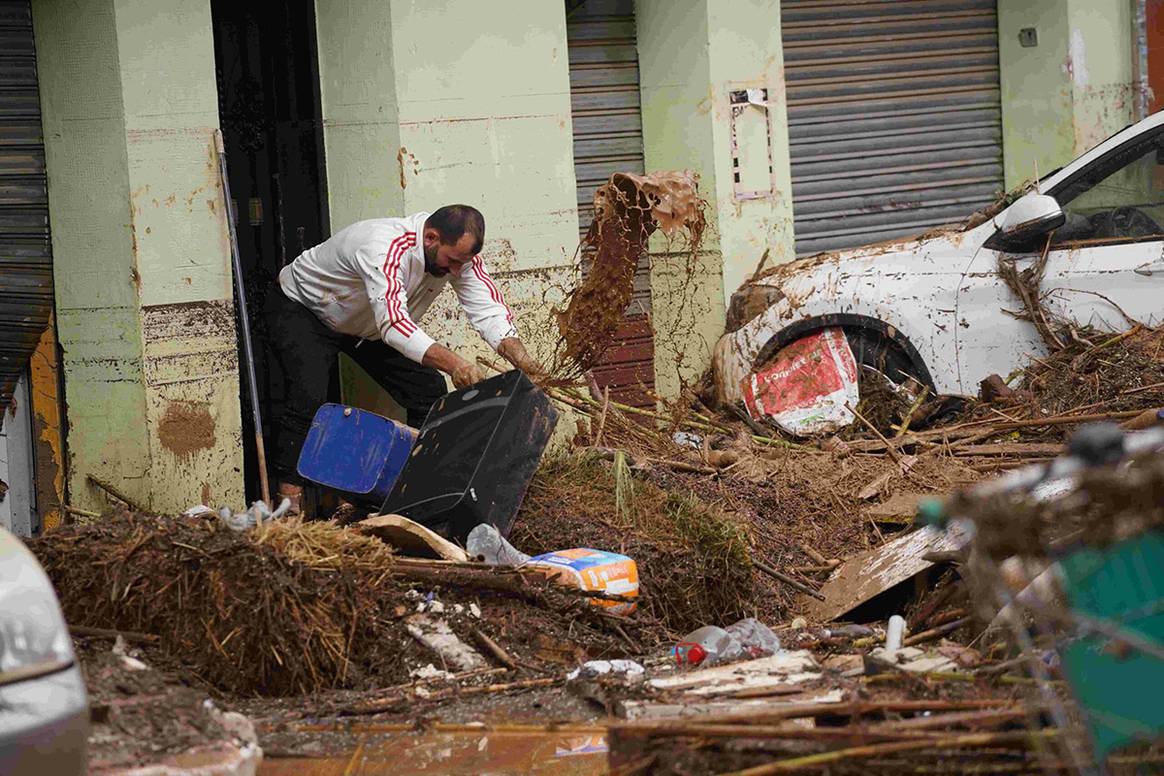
(692, 57)
(1069, 91)
(426, 104)
(141, 252)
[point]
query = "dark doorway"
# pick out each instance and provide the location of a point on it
(269, 110)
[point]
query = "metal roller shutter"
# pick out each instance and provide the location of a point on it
(608, 138)
(894, 116)
(26, 279)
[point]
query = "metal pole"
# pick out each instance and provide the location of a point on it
(244, 322)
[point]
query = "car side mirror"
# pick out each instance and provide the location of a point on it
(1031, 216)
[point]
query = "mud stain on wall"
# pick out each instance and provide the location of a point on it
(186, 427)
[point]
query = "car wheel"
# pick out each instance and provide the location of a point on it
(873, 349)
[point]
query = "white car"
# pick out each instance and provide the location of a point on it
(934, 307)
(44, 710)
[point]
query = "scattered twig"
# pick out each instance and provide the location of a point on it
(936, 601)
(634, 646)
(896, 456)
(394, 702)
(602, 417)
(812, 553)
(912, 409)
(935, 633)
(493, 648)
(112, 491)
(747, 420)
(85, 630)
(759, 266)
(959, 740)
(1141, 389)
(787, 579)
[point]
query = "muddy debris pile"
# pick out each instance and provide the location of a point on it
(292, 608)
(694, 563)
(143, 716)
(288, 608)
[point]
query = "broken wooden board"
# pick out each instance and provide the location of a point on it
(783, 668)
(754, 685)
(909, 659)
(439, 637)
(871, 573)
(643, 710)
(411, 538)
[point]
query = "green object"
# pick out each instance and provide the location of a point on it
(1117, 686)
(931, 511)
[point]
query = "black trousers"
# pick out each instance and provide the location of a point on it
(306, 350)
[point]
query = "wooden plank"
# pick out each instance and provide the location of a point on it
(784, 668)
(411, 538)
(872, 573)
(647, 710)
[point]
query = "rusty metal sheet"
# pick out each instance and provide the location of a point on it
(864, 577)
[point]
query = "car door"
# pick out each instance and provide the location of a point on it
(1105, 264)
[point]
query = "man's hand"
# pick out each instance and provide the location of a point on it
(467, 374)
(513, 351)
(461, 371)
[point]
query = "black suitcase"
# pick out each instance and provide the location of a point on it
(474, 457)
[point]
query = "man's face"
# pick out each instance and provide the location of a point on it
(442, 259)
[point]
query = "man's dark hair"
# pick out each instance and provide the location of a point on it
(452, 221)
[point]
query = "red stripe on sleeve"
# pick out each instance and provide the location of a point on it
(494, 293)
(397, 316)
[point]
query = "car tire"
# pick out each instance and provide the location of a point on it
(874, 349)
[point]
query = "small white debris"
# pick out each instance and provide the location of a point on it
(132, 663)
(428, 672)
(436, 607)
(475, 611)
(629, 669)
(458, 609)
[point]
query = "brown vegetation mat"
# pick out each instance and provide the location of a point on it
(789, 500)
(270, 611)
(1099, 371)
(693, 563)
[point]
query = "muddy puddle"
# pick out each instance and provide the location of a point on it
(579, 751)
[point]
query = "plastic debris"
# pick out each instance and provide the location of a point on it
(895, 633)
(595, 571)
(241, 521)
(595, 669)
(709, 645)
(486, 542)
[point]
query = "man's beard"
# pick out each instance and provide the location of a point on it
(430, 255)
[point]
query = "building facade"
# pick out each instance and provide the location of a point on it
(812, 126)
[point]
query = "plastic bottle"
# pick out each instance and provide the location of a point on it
(756, 638)
(706, 646)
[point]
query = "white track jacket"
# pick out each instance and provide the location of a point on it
(368, 280)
